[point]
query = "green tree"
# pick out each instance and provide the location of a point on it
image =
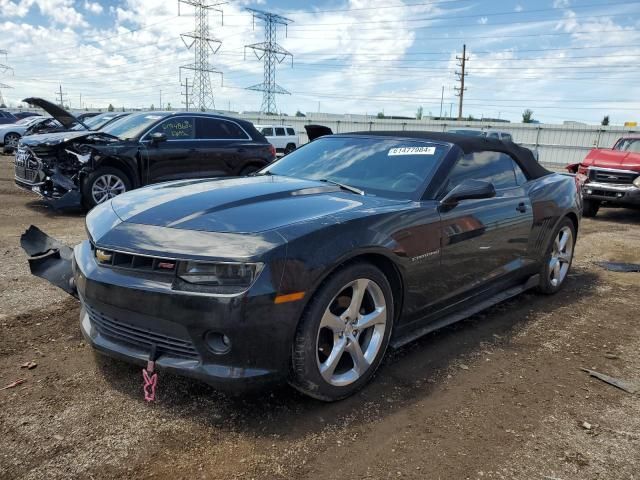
(419, 113)
(168, 106)
(527, 116)
(605, 120)
(300, 114)
(380, 115)
(152, 107)
(110, 108)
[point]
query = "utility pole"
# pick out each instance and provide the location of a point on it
(60, 94)
(4, 68)
(461, 76)
(441, 101)
(271, 53)
(80, 101)
(160, 99)
(186, 93)
(202, 97)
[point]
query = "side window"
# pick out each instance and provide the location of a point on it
(267, 132)
(493, 135)
(179, 128)
(280, 132)
(521, 178)
(217, 129)
(291, 131)
(494, 167)
(506, 137)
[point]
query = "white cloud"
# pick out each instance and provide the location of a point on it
(561, 3)
(518, 8)
(93, 7)
(483, 20)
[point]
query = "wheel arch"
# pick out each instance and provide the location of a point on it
(574, 219)
(115, 162)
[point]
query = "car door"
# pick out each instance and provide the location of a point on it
(222, 145)
(485, 240)
(176, 156)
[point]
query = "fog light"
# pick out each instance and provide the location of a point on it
(589, 192)
(619, 195)
(218, 342)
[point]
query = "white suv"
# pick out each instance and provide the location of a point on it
(283, 137)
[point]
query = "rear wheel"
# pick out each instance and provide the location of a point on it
(289, 148)
(249, 169)
(590, 208)
(558, 258)
(102, 185)
(344, 333)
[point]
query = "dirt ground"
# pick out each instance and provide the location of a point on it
(499, 396)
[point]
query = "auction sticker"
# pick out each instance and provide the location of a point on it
(412, 151)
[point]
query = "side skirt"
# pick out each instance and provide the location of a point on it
(465, 313)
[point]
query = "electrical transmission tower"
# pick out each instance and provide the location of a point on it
(203, 45)
(3, 68)
(60, 94)
(272, 54)
(461, 76)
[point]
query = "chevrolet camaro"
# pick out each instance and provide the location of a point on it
(311, 268)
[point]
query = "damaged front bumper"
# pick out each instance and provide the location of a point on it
(617, 194)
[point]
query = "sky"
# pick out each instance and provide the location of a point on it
(566, 60)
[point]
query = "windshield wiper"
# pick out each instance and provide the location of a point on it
(343, 186)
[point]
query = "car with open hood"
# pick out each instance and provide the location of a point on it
(610, 177)
(309, 269)
(82, 167)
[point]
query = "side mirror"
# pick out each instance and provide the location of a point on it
(158, 137)
(468, 190)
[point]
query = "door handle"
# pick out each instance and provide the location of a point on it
(522, 208)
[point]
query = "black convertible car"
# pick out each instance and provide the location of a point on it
(311, 268)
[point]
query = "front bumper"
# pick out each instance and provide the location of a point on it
(621, 194)
(124, 316)
(55, 198)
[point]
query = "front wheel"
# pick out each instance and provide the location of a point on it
(102, 185)
(558, 258)
(289, 148)
(344, 333)
(11, 141)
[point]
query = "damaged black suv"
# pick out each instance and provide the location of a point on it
(84, 168)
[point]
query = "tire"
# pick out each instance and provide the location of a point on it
(559, 252)
(249, 169)
(328, 365)
(289, 148)
(118, 181)
(590, 208)
(11, 141)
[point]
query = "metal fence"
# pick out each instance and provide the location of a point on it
(556, 144)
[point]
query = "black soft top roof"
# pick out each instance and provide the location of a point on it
(523, 156)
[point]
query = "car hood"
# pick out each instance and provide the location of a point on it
(240, 205)
(613, 159)
(55, 138)
(66, 119)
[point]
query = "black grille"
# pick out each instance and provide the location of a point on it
(26, 174)
(141, 263)
(122, 332)
(27, 165)
(603, 176)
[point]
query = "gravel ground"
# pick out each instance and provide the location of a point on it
(498, 396)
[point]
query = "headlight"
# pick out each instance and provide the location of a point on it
(636, 182)
(222, 278)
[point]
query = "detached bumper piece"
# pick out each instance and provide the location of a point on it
(49, 259)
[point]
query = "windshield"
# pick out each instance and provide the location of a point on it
(628, 145)
(27, 120)
(132, 126)
(387, 167)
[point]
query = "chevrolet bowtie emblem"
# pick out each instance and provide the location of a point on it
(103, 257)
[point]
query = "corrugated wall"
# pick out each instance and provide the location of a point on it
(556, 144)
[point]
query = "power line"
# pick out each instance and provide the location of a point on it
(202, 97)
(272, 54)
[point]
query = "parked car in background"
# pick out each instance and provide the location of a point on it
(497, 134)
(21, 115)
(7, 117)
(283, 137)
(310, 269)
(101, 120)
(11, 133)
(86, 115)
(85, 168)
(610, 177)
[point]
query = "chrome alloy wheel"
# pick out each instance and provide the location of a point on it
(351, 332)
(107, 186)
(561, 255)
(11, 140)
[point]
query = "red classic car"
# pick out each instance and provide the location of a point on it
(610, 177)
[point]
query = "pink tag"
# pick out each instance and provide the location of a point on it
(150, 383)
